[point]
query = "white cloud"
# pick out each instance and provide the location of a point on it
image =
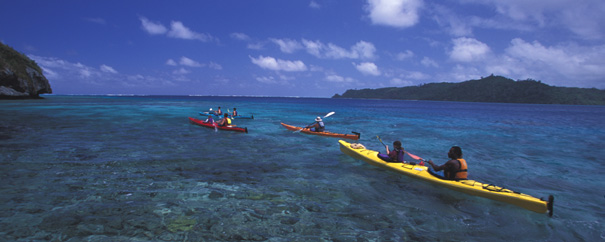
(215, 66)
(151, 27)
(240, 36)
(565, 64)
(278, 64)
(584, 18)
(85, 72)
(404, 55)
(337, 78)
(287, 45)
(361, 50)
(181, 71)
(529, 10)
(177, 30)
(336, 52)
(396, 13)
(313, 47)
(171, 62)
(189, 62)
(266, 80)
(49, 73)
(108, 69)
(65, 75)
(365, 50)
(557, 64)
(367, 68)
(453, 23)
(283, 80)
(468, 50)
(314, 4)
(63, 69)
(255, 46)
(428, 62)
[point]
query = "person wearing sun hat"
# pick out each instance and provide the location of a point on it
(317, 126)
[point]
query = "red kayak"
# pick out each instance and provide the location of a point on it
(212, 126)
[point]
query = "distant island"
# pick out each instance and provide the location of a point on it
(495, 89)
(20, 76)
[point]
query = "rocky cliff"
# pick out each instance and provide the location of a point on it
(20, 77)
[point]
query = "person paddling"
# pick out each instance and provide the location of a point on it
(396, 155)
(218, 112)
(209, 120)
(454, 169)
(317, 126)
(225, 121)
(234, 112)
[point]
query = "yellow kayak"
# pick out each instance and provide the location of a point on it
(467, 186)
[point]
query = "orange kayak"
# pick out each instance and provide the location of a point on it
(354, 136)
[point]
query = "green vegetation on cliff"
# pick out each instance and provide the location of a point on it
(496, 89)
(20, 76)
(14, 60)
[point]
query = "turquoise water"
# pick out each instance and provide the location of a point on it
(102, 168)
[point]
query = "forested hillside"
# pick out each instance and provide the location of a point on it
(496, 89)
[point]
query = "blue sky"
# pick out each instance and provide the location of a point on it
(303, 48)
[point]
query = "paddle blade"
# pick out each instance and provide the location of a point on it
(329, 114)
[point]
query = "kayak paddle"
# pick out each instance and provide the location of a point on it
(380, 140)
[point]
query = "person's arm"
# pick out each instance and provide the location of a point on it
(435, 167)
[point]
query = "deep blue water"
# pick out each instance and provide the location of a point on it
(106, 168)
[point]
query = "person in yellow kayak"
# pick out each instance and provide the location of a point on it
(317, 126)
(396, 155)
(225, 121)
(454, 169)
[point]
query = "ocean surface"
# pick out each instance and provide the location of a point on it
(132, 168)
